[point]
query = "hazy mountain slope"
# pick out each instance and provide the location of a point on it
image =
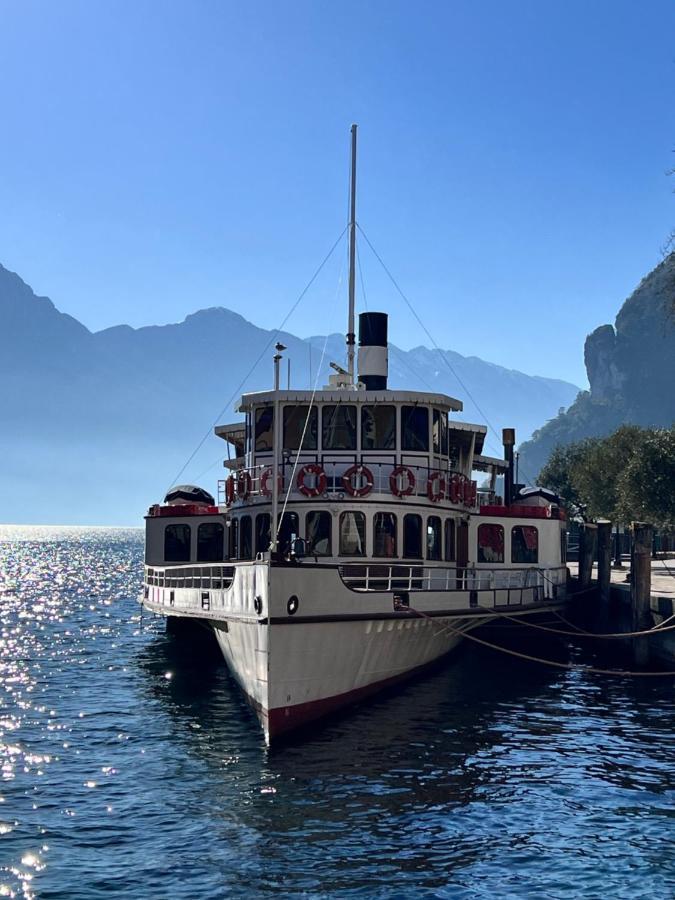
(96, 426)
(631, 371)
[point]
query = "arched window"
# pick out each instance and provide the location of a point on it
(245, 538)
(434, 538)
(318, 526)
(289, 531)
(177, 543)
(262, 533)
(352, 534)
(524, 544)
(412, 536)
(210, 541)
(384, 535)
(450, 540)
(490, 543)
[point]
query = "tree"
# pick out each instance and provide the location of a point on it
(557, 475)
(597, 475)
(647, 485)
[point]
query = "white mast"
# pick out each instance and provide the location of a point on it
(351, 337)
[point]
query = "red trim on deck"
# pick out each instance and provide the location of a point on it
(183, 509)
(523, 512)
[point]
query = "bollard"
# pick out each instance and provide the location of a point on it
(604, 560)
(587, 534)
(641, 588)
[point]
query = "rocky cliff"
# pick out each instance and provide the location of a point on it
(631, 371)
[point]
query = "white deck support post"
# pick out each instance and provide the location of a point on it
(276, 442)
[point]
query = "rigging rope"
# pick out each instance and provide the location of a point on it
(260, 356)
(546, 662)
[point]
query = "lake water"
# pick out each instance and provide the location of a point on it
(131, 767)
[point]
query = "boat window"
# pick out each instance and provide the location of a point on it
(412, 536)
(563, 547)
(352, 534)
(177, 543)
(289, 531)
(414, 428)
(378, 428)
(318, 527)
(295, 420)
(440, 432)
(384, 535)
(264, 428)
(449, 540)
(233, 539)
(436, 431)
(524, 544)
(434, 538)
(454, 455)
(338, 427)
(245, 538)
(490, 543)
(210, 542)
(262, 533)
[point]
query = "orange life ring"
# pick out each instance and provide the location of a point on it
(319, 483)
(243, 484)
(348, 480)
(436, 493)
(229, 490)
(400, 472)
(265, 479)
(456, 489)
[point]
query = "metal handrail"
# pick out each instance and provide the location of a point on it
(205, 576)
(365, 577)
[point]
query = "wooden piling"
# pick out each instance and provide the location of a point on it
(587, 538)
(641, 588)
(604, 560)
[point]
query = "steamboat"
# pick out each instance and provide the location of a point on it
(350, 546)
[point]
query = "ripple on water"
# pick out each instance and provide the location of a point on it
(131, 767)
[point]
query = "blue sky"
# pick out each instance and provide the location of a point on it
(156, 158)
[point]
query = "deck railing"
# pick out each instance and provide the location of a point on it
(210, 576)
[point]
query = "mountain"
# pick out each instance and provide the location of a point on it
(97, 425)
(631, 372)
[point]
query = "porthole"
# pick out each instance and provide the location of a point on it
(292, 605)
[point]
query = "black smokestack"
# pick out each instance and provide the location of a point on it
(373, 361)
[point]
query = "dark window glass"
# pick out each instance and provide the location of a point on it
(262, 533)
(412, 536)
(338, 424)
(233, 539)
(210, 542)
(490, 543)
(264, 429)
(289, 531)
(436, 431)
(177, 543)
(378, 428)
(384, 535)
(434, 537)
(295, 419)
(414, 428)
(563, 547)
(449, 540)
(444, 434)
(524, 544)
(352, 534)
(318, 527)
(453, 455)
(245, 538)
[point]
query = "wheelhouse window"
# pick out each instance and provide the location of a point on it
(384, 535)
(318, 525)
(415, 428)
(434, 538)
(524, 544)
(264, 429)
(262, 533)
(352, 534)
(338, 427)
(210, 542)
(233, 539)
(440, 432)
(299, 419)
(490, 543)
(378, 428)
(245, 538)
(177, 543)
(289, 531)
(449, 540)
(412, 536)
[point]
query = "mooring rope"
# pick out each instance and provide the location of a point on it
(545, 662)
(615, 635)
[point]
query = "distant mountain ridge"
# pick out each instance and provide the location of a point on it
(631, 371)
(95, 425)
